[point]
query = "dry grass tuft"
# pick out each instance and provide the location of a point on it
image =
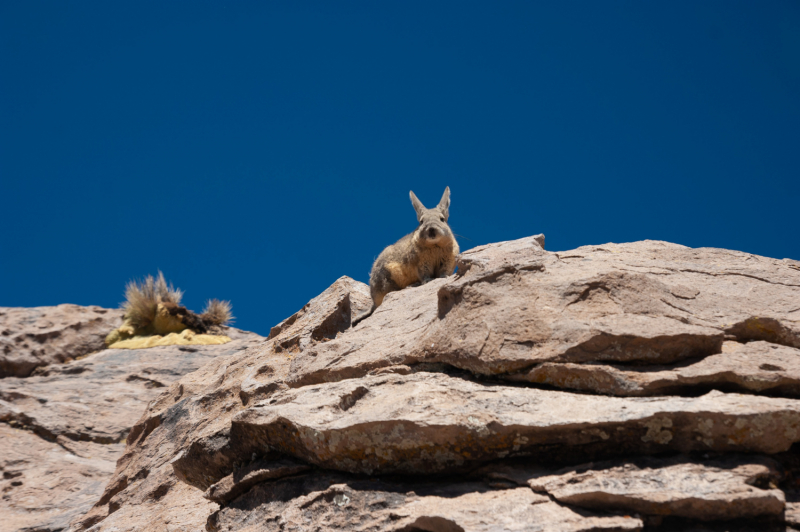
(217, 312)
(143, 298)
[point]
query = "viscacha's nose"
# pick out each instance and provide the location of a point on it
(431, 233)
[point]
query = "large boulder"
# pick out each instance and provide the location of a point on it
(610, 387)
(39, 336)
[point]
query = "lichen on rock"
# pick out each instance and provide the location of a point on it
(186, 337)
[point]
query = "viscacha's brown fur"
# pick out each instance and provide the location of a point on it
(427, 253)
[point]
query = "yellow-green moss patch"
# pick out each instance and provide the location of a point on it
(187, 337)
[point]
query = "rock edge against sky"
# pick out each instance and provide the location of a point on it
(640, 386)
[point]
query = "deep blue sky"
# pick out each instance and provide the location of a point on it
(257, 151)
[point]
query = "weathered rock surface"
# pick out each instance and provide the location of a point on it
(429, 423)
(38, 336)
(754, 367)
(309, 429)
(65, 426)
(198, 408)
(336, 502)
(513, 305)
(243, 479)
(714, 490)
(44, 486)
(97, 398)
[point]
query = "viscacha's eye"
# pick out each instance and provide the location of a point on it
(441, 218)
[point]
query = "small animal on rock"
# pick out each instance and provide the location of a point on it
(427, 253)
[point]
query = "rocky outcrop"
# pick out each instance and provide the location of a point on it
(616, 387)
(64, 427)
(198, 408)
(39, 336)
(513, 306)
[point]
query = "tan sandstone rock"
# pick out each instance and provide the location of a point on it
(755, 366)
(438, 381)
(71, 423)
(45, 485)
(98, 398)
(336, 502)
(429, 422)
(512, 306)
(198, 408)
(712, 490)
(239, 482)
(38, 336)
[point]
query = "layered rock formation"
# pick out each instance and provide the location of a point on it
(64, 427)
(145, 493)
(642, 386)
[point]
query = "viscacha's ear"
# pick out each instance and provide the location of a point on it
(444, 203)
(418, 206)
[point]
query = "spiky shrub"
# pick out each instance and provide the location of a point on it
(143, 298)
(217, 312)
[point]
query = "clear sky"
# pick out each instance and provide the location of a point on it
(257, 151)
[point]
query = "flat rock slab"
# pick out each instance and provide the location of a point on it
(45, 485)
(647, 302)
(429, 422)
(327, 501)
(99, 397)
(38, 336)
(512, 306)
(507, 510)
(714, 490)
(752, 367)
